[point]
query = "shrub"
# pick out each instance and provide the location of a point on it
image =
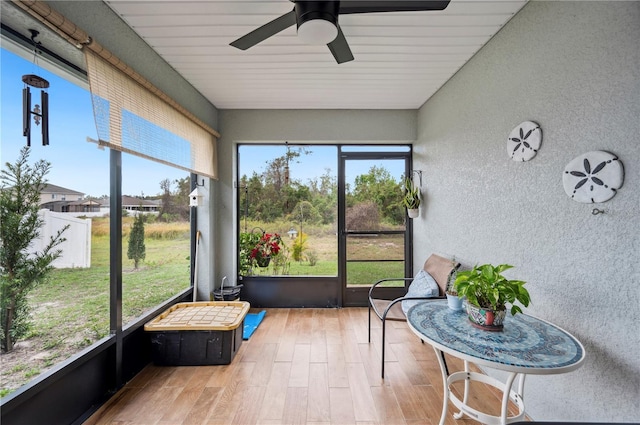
(299, 246)
(363, 216)
(312, 257)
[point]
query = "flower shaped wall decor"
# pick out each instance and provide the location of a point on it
(593, 177)
(524, 141)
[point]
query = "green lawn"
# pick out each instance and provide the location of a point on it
(71, 310)
(74, 304)
(359, 273)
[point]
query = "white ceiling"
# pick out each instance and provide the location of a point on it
(401, 58)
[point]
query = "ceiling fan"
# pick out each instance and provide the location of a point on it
(317, 21)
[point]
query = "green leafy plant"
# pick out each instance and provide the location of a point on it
(246, 243)
(486, 287)
(410, 194)
(21, 270)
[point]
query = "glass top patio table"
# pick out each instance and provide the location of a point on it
(526, 344)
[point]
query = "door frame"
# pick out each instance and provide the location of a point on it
(326, 291)
(358, 296)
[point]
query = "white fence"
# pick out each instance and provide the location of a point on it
(76, 250)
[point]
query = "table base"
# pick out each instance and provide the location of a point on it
(482, 417)
(508, 394)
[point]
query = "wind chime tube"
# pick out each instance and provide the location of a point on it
(44, 98)
(26, 114)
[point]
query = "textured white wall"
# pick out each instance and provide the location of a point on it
(573, 67)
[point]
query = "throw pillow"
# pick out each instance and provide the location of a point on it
(423, 285)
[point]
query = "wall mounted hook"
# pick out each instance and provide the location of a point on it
(419, 173)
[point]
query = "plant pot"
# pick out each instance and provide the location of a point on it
(454, 302)
(485, 318)
(413, 212)
(263, 261)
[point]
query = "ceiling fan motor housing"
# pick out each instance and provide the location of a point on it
(316, 15)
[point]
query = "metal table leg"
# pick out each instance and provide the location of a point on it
(467, 376)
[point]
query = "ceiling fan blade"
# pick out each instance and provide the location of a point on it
(340, 48)
(369, 6)
(267, 30)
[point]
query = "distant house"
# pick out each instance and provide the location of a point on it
(59, 199)
(53, 193)
(134, 205)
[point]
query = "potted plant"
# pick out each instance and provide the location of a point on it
(488, 293)
(410, 198)
(267, 245)
(453, 300)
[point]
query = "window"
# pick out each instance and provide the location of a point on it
(158, 268)
(288, 210)
(71, 310)
(291, 192)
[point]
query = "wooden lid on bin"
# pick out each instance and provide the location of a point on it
(200, 316)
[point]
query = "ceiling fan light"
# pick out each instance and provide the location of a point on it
(317, 32)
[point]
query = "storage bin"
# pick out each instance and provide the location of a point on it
(198, 333)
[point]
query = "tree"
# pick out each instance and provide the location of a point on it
(167, 208)
(324, 196)
(22, 270)
(175, 204)
(136, 250)
(182, 197)
(380, 187)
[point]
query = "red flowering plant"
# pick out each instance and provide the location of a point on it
(268, 245)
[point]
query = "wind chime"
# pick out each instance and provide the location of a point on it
(40, 112)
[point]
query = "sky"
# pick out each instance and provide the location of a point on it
(313, 165)
(81, 166)
(75, 163)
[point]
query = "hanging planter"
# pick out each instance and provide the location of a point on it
(411, 198)
(263, 261)
(268, 245)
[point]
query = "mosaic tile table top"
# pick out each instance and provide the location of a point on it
(526, 344)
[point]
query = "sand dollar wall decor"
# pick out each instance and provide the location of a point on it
(593, 177)
(524, 141)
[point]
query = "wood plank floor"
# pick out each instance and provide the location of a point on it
(301, 366)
